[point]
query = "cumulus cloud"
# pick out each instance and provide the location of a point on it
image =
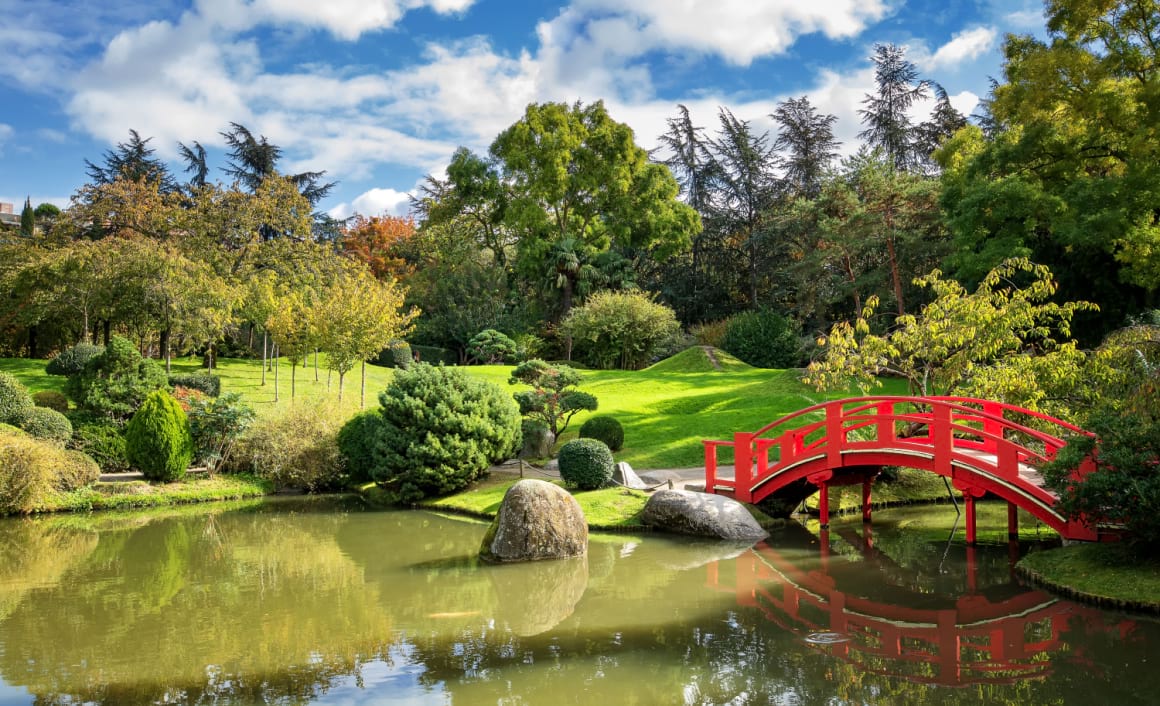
(964, 46)
(375, 202)
(737, 30)
(345, 19)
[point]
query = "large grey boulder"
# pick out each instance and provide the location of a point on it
(536, 520)
(702, 515)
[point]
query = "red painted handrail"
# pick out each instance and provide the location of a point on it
(975, 442)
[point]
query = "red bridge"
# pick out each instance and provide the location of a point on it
(982, 447)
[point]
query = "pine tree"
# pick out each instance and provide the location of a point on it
(888, 126)
(27, 219)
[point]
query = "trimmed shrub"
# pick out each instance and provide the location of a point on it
(202, 381)
(764, 339)
(26, 472)
(71, 361)
(442, 429)
(606, 429)
(710, 333)
(51, 399)
(553, 399)
(47, 424)
(489, 347)
(116, 382)
(157, 439)
(15, 402)
(358, 440)
(586, 463)
(397, 355)
(435, 355)
(11, 430)
(295, 449)
(76, 470)
(104, 443)
(621, 329)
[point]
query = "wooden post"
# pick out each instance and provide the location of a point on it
(743, 466)
(1012, 521)
(866, 483)
(824, 504)
(969, 498)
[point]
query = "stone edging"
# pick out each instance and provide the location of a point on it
(1038, 579)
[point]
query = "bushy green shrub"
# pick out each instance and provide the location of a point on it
(51, 399)
(115, 383)
(710, 333)
(396, 355)
(358, 441)
(157, 439)
(75, 471)
(764, 339)
(620, 329)
(216, 424)
(553, 399)
(606, 429)
(297, 448)
(47, 424)
(442, 429)
(104, 442)
(15, 402)
(27, 468)
(489, 347)
(586, 463)
(202, 381)
(71, 361)
(528, 346)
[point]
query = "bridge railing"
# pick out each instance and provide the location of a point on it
(943, 426)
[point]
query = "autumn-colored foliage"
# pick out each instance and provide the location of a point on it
(376, 240)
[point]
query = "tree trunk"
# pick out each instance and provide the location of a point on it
(165, 334)
(32, 341)
(362, 394)
(293, 378)
(108, 331)
(895, 275)
(341, 375)
(276, 366)
(315, 365)
(263, 357)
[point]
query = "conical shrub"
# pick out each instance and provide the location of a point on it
(157, 439)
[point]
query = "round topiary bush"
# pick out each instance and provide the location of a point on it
(27, 469)
(490, 346)
(764, 339)
(606, 429)
(51, 399)
(358, 440)
(396, 355)
(158, 440)
(442, 429)
(15, 402)
(115, 383)
(586, 463)
(47, 424)
(72, 360)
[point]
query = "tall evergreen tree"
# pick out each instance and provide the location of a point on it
(888, 126)
(27, 219)
(134, 160)
(252, 159)
(805, 143)
(945, 120)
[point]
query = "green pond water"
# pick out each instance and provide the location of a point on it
(321, 601)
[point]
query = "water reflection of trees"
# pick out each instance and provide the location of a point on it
(290, 607)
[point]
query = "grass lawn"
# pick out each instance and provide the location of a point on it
(138, 494)
(666, 410)
(614, 509)
(1102, 573)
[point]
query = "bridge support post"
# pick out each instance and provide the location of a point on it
(824, 504)
(743, 467)
(866, 483)
(969, 499)
(1012, 521)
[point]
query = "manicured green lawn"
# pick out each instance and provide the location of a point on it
(1106, 572)
(666, 410)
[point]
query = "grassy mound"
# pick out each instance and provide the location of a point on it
(1104, 574)
(699, 359)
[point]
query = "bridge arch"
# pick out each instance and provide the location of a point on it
(982, 447)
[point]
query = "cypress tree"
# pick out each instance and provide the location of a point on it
(27, 219)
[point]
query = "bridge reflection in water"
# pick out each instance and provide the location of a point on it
(990, 636)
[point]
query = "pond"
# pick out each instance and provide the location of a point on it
(322, 601)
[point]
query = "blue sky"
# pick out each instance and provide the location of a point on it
(381, 92)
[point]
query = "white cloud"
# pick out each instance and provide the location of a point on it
(345, 19)
(963, 46)
(375, 202)
(737, 30)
